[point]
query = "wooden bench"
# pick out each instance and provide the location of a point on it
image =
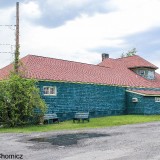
(81, 116)
(53, 117)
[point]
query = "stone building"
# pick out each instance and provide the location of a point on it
(128, 85)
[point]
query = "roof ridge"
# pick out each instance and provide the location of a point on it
(64, 60)
(53, 69)
(127, 57)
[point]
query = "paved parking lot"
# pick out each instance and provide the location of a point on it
(129, 142)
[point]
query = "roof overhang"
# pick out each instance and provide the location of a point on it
(146, 93)
(148, 67)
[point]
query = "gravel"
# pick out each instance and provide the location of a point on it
(128, 142)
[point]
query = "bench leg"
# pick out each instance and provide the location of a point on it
(57, 120)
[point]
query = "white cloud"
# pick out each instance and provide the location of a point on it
(157, 63)
(132, 5)
(71, 41)
(30, 10)
(6, 14)
(63, 3)
(77, 39)
(86, 32)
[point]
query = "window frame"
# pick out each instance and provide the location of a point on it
(49, 88)
(146, 73)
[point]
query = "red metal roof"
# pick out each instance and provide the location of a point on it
(109, 72)
(129, 62)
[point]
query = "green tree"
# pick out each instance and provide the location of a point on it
(131, 52)
(19, 98)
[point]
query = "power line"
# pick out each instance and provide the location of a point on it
(11, 48)
(5, 52)
(5, 44)
(7, 25)
(12, 27)
(4, 49)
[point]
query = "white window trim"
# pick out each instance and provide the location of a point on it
(55, 88)
(157, 99)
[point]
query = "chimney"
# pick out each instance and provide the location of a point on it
(104, 56)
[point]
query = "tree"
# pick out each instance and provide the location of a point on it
(19, 98)
(131, 52)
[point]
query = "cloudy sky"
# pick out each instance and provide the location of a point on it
(80, 30)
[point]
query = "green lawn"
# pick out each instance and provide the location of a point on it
(94, 123)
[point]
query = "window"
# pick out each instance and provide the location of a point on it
(147, 73)
(47, 90)
(157, 99)
(142, 72)
(150, 74)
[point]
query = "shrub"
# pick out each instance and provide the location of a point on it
(19, 98)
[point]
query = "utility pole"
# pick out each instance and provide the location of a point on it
(16, 61)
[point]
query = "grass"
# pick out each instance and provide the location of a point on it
(94, 123)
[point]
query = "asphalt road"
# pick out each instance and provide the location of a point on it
(129, 142)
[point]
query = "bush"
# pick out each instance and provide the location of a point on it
(38, 118)
(19, 98)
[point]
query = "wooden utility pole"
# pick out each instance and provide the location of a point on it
(16, 61)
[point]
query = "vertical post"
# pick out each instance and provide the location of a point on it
(16, 61)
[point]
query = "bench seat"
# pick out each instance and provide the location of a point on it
(81, 116)
(51, 117)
